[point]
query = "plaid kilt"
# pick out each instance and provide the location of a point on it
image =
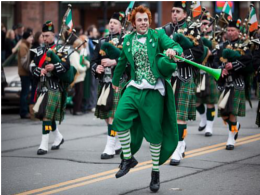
(186, 101)
(211, 95)
(117, 95)
(54, 112)
(238, 102)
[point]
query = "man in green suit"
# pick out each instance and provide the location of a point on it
(146, 109)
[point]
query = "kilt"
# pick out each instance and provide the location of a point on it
(211, 94)
(54, 112)
(117, 95)
(238, 102)
(185, 101)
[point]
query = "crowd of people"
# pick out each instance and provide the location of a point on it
(137, 83)
(19, 43)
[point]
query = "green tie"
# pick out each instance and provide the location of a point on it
(141, 36)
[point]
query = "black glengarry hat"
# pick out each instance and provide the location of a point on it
(120, 16)
(235, 23)
(48, 27)
(181, 4)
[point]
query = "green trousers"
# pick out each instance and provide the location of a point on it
(145, 106)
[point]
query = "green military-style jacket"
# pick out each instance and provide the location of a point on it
(157, 42)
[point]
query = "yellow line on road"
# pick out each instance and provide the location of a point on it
(140, 166)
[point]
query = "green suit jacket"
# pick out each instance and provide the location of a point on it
(157, 42)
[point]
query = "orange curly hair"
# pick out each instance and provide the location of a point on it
(140, 9)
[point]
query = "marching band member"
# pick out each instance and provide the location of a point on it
(53, 89)
(102, 68)
(183, 78)
(207, 92)
(236, 65)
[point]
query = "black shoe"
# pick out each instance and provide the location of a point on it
(201, 128)
(208, 134)
(230, 147)
(106, 156)
(118, 151)
(41, 152)
(125, 166)
(155, 182)
(237, 132)
(174, 162)
(58, 146)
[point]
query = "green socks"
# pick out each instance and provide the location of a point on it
(201, 109)
(110, 132)
(155, 152)
(46, 127)
(182, 128)
(210, 114)
(125, 140)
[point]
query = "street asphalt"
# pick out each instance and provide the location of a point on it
(76, 168)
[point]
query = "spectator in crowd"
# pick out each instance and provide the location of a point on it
(18, 30)
(90, 103)
(9, 43)
(81, 66)
(3, 34)
(23, 71)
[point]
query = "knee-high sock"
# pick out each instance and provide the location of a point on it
(110, 131)
(125, 140)
(46, 127)
(201, 109)
(203, 115)
(54, 126)
(232, 126)
(155, 152)
(210, 114)
(182, 128)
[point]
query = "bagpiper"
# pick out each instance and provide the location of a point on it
(51, 91)
(236, 64)
(183, 78)
(103, 67)
(206, 91)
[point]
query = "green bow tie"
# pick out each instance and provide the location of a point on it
(141, 36)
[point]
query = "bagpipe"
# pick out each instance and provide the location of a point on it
(190, 37)
(60, 54)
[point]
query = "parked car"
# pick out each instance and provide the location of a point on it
(11, 83)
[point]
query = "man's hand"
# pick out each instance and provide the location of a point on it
(43, 72)
(171, 53)
(228, 66)
(100, 69)
(115, 88)
(49, 67)
(224, 72)
(106, 62)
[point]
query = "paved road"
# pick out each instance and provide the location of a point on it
(77, 168)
